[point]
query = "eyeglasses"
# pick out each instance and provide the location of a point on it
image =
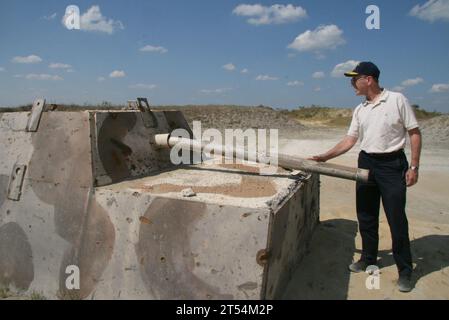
(355, 79)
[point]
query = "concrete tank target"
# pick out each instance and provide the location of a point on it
(89, 188)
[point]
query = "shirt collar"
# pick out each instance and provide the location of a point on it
(383, 98)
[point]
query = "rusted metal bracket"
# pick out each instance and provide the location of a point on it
(16, 182)
(35, 115)
(148, 118)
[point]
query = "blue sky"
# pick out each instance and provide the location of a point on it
(194, 52)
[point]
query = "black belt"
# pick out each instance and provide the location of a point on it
(387, 155)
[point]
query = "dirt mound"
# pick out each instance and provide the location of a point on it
(436, 130)
(237, 117)
(323, 116)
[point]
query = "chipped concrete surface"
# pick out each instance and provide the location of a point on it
(97, 195)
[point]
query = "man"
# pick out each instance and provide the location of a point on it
(381, 123)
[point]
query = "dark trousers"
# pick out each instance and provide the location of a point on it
(386, 182)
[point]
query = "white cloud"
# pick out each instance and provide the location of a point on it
(70, 70)
(215, 91)
(229, 67)
(276, 14)
(117, 74)
(244, 71)
(411, 82)
(42, 76)
(440, 87)
(295, 83)
(265, 78)
(322, 38)
(93, 20)
(317, 89)
(432, 10)
(343, 67)
(2, 69)
(407, 83)
(142, 86)
(29, 59)
(318, 75)
(58, 65)
(249, 10)
(291, 55)
(100, 79)
(150, 48)
(398, 88)
(50, 17)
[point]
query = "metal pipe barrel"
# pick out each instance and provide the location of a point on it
(283, 160)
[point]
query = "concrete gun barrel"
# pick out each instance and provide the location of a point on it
(283, 160)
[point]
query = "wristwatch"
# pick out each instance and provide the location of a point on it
(414, 168)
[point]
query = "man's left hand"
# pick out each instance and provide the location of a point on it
(411, 177)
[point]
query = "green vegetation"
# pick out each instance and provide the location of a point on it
(37, 296)
(314, 115)
(422, 114)
(5, 293)
(341, 117)
(69, 295)
(323, 115)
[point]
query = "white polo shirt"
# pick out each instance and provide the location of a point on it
(382, 127)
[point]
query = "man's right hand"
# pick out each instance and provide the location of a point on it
(344, 145)
(318, 158)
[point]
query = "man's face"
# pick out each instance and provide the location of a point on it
(360, 84)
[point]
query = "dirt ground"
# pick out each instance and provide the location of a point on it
(323, 273)
(336, 243)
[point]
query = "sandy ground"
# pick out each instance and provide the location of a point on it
(336, 242)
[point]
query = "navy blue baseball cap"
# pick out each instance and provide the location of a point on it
(365, 68)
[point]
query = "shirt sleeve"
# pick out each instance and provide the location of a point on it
(355, 125)
(407, 114)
